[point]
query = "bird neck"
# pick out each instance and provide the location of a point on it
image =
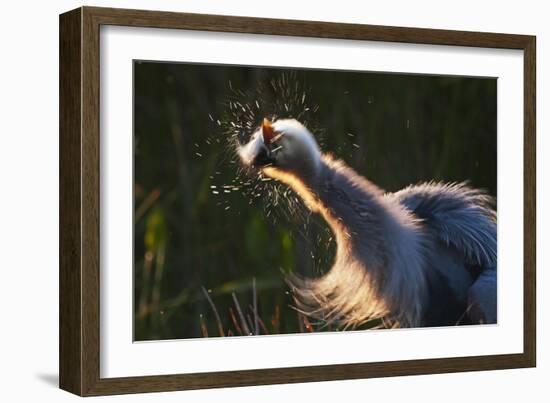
(349, 203)
(379, 245)
(352, 205)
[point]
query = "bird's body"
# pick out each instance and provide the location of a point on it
(423, 256)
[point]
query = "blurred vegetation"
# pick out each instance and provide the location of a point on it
(201, 255)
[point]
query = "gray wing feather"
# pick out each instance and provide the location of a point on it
(459, 216)
(462, 217)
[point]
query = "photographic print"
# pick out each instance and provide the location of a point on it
(276, 201)
(246, 192)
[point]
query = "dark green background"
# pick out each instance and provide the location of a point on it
(406, 129)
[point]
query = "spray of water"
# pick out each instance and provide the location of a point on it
(282, 96)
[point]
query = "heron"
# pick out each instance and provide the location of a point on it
(422, 256)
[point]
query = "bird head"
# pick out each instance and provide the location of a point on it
(283, 146)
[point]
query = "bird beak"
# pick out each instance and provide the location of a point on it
(256, 152)
(267, 131)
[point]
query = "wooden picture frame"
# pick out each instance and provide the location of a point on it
(79, 200)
